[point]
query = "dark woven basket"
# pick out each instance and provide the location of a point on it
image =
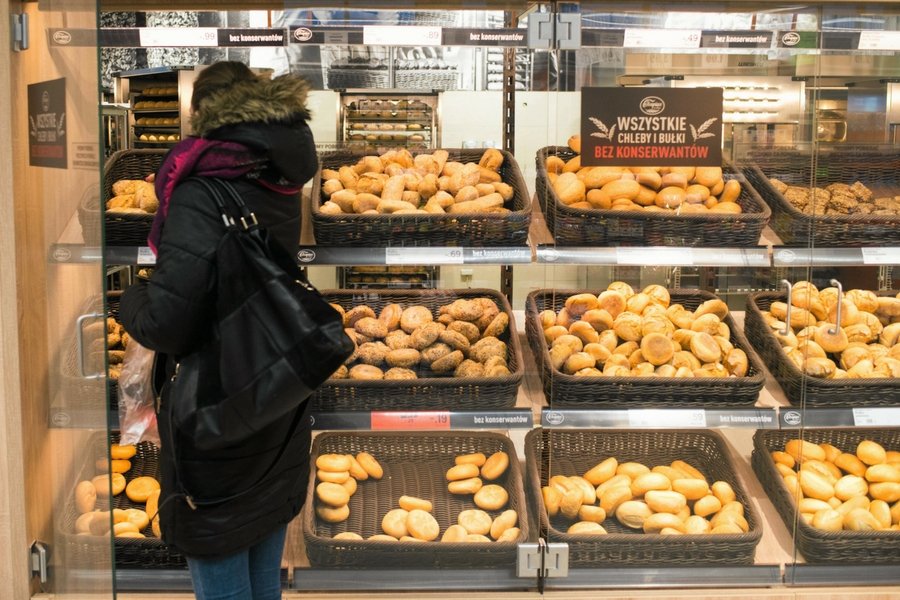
(570, 391)
(877, 170)
(415, 464)
(128, 229)
(489, 229)
(801, 389)
(429, 391)
(573, 452)
(577, 227)
(87, 550)
(817, 546)
(426, 79)
(78, 391)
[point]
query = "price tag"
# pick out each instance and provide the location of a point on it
(876, 417)
(145, 256)
(410, 420)
(651, 417)
(423, 256)
(662, 38)
(654, 256)
(178, 37)
(387, 35)
(879, 40)
(881, 256)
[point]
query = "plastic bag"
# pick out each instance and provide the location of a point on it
(137, 400)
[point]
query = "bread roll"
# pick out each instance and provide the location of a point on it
(475, 521)
(495, 466)
(370, 464)
(491, 497)
(422, 525)
(465, 486)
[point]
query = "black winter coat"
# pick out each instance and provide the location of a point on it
(171, 314)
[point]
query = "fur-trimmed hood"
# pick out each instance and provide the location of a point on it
(282, 99)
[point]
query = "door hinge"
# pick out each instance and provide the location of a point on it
(562, 31)
(39, 560)
(540, 31)
(19, 31)
(568, 31)
(543, 560)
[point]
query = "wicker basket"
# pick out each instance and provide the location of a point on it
(801, 389)
(877, 170)
(855, 547)
(426, 79)
(87, 550)
(577, 227)
(434, 18)
(489, 229)
(128, 229)
(429, 391)
(89, 216)
(342, 79)
(573, 452)
(570, 391)
(415, 464)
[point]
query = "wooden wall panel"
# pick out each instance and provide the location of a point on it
(13, 534)
(49, 296)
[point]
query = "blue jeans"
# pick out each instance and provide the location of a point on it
(254, 573)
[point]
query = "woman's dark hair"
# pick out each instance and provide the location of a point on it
(217, 77)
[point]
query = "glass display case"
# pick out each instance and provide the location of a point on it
(670, 283)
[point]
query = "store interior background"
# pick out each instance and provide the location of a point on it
(851, 95)
(848, 98)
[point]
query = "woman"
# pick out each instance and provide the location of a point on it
(253, 132)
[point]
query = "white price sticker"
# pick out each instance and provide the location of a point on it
(656, 256)
(881, 256)
(652, 417)
(876, 417)
(145, 256)
(662, 38)
(879, 40)
(387, 35)
(423, 256)
(178, 37)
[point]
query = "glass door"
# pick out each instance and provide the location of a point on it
(654, 388)
(60, 284)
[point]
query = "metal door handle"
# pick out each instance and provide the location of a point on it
(79, 342)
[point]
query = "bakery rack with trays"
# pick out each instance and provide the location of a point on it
(148, 552)
(428, 391)
(390, 118)
(875, 168)
(571, 391)
(816, 545)
(577, 227)
(802, 389)
(463, 229)
(390, 277)
(154, 98)
(573, 452)
(415, 464)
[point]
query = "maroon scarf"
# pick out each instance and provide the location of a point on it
(195, 156)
